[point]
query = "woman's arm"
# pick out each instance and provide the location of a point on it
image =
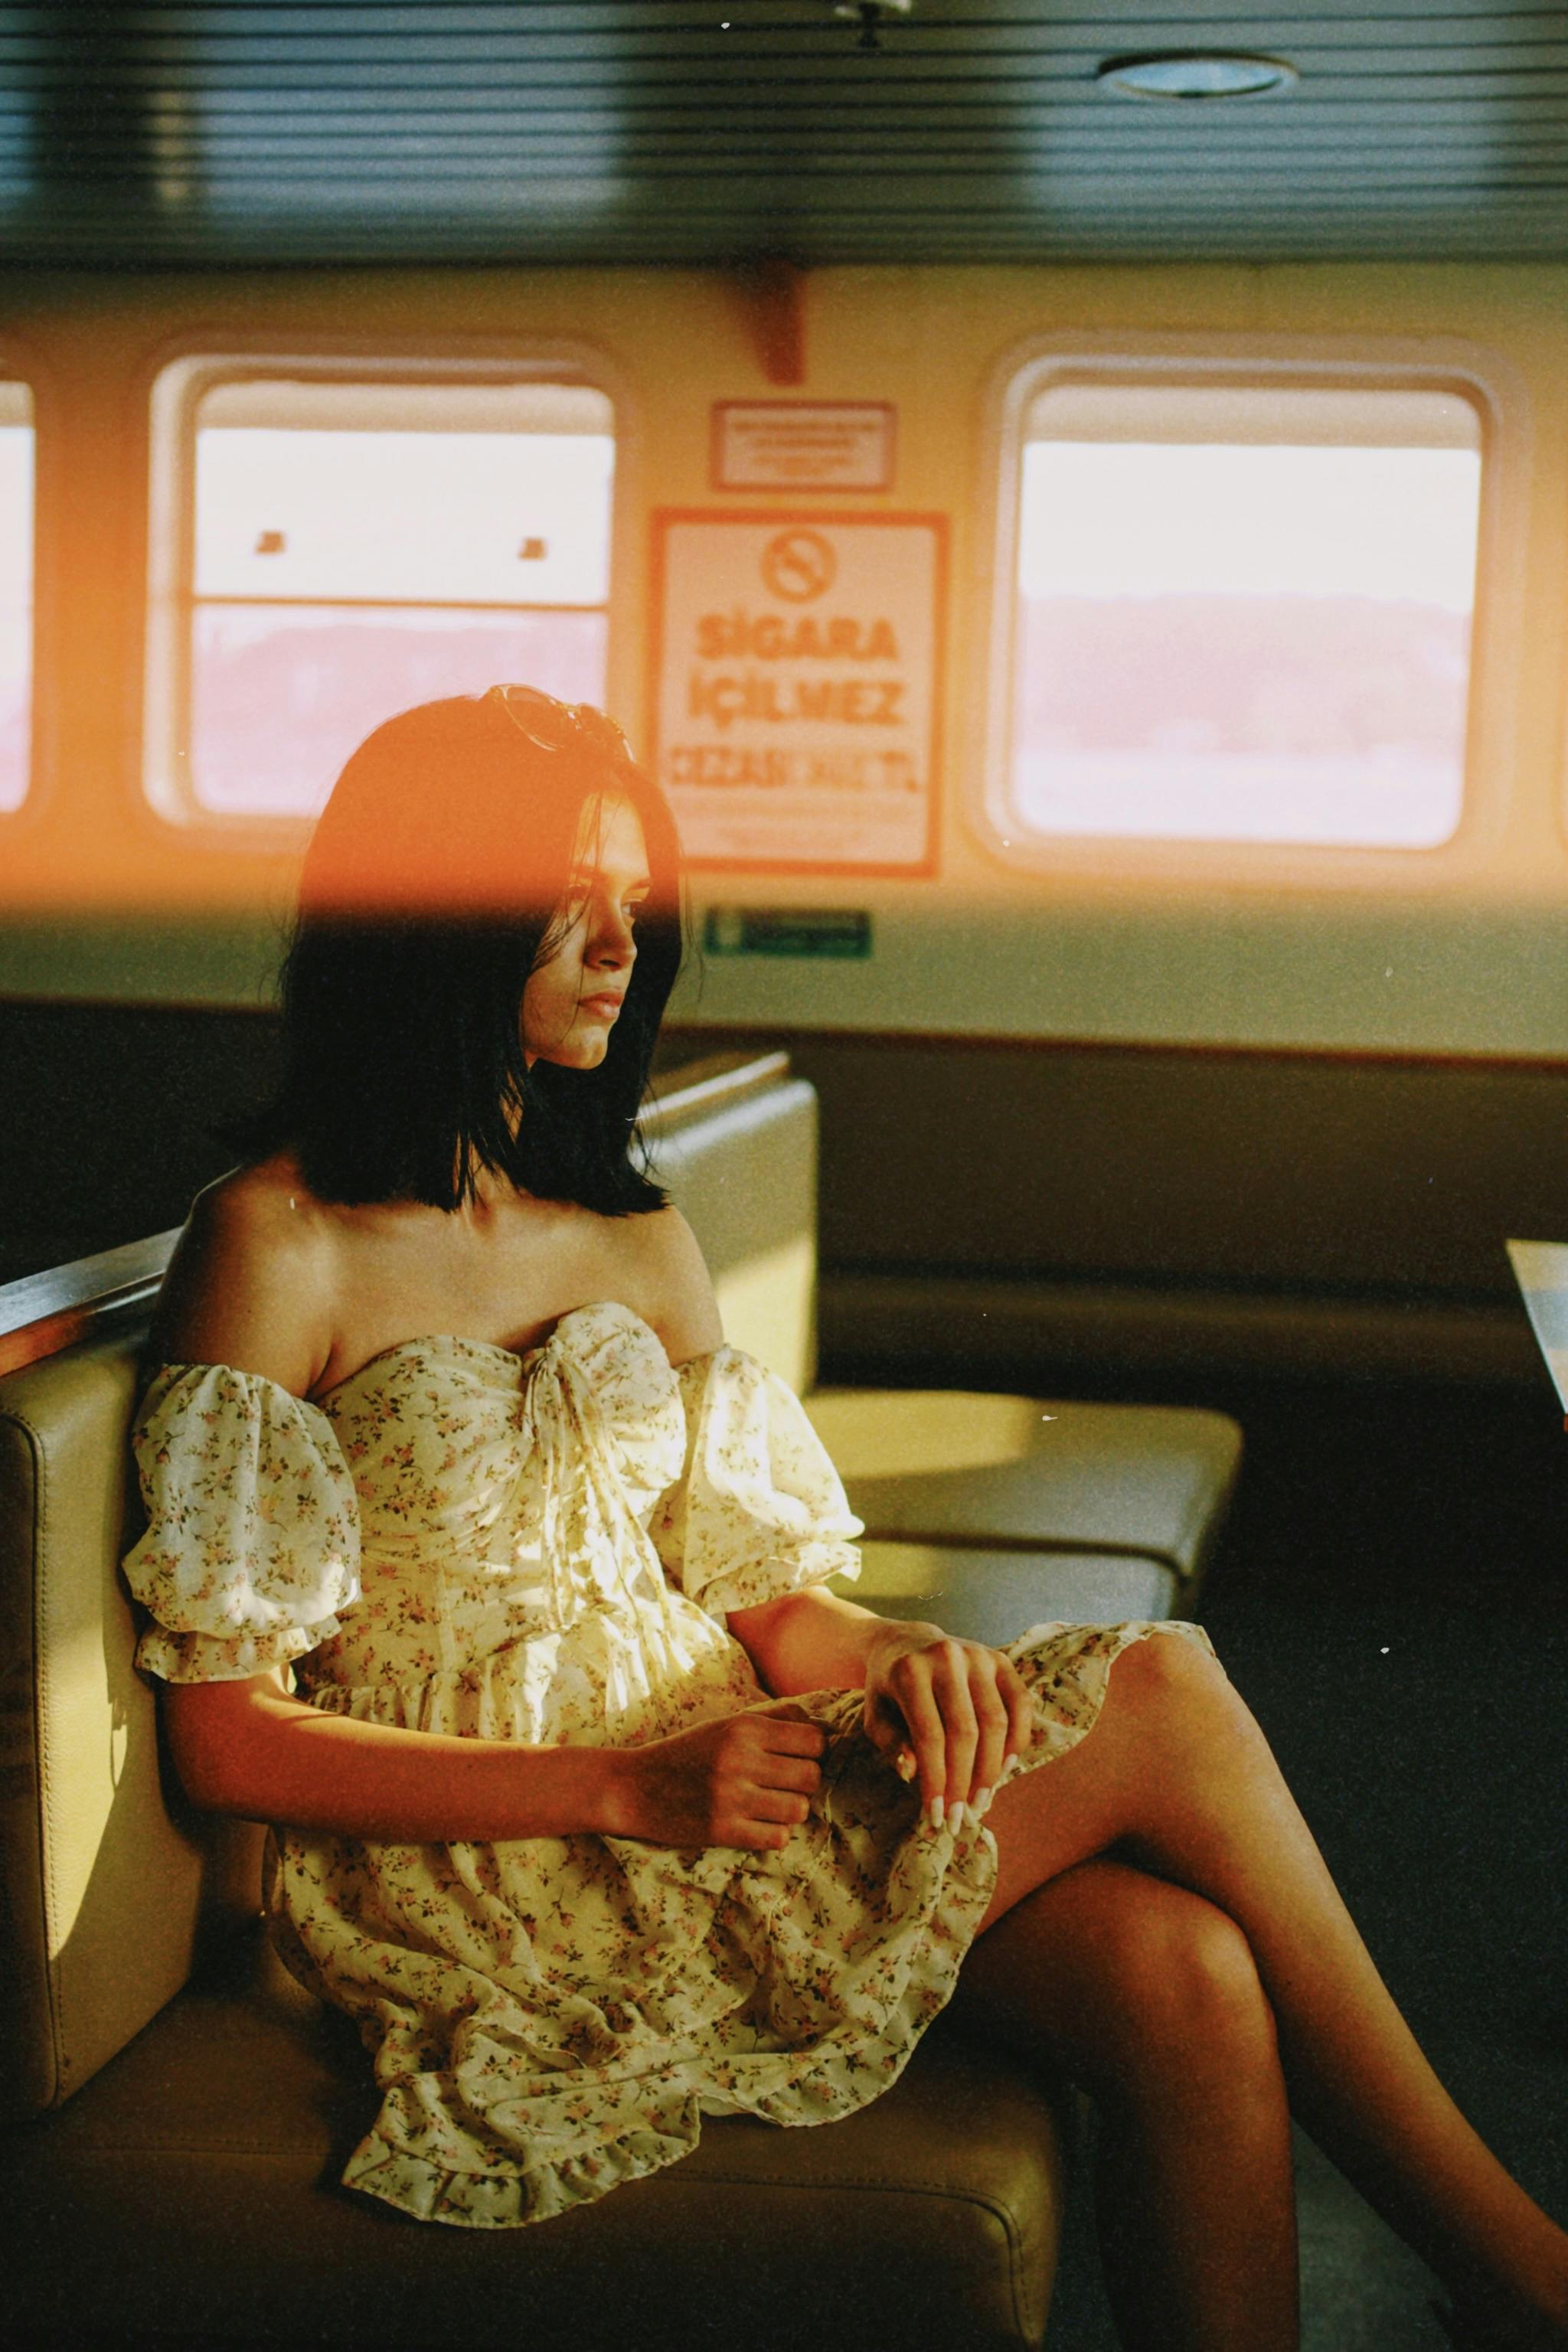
(248, 1748)
(960, 1712)
(815, 1641)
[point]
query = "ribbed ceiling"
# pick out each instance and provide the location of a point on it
(692, 130)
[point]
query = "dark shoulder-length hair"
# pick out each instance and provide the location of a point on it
(431, 889)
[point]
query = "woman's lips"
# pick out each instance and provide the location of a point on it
(604, 1007)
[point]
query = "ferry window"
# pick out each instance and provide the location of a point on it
(354, 547)
(16, 594)
(1242, 612)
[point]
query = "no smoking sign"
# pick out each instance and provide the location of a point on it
(797, 687)
(798, 565)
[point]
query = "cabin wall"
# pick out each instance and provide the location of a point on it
(1153, 1081)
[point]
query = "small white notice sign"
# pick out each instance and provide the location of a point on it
(802, 445)
(797, 687)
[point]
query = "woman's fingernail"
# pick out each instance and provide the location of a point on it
(982, 1804)
(935, 1812)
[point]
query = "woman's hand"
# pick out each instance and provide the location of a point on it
(953, 1712)
(746, 1780)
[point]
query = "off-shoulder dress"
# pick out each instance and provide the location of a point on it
(543, 1548)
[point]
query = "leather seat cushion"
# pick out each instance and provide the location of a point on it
(207, 2156)
(964, 1467)
(994, 1596)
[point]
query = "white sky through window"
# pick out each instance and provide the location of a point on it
(419, 518)
(15, 611)
(1114, 519)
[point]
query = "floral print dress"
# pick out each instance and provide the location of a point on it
(542, 1549)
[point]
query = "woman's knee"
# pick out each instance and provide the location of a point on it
(1170, 1660)
(1181, 1992)
(1178, 1683)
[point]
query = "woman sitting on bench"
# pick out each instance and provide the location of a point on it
(481, 1566)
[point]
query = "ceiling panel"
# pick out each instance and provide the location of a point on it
(689, 131)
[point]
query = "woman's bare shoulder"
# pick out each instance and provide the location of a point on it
(677, 1290)
(254, 1278)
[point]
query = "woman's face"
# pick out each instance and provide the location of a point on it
(571, 1004)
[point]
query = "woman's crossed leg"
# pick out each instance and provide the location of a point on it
(1164, 1928)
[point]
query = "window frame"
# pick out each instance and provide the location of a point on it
(1479, 376)
(180, 379)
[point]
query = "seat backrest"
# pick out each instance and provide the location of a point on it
(108, 1880)
(102, 1868)
(743, 1168)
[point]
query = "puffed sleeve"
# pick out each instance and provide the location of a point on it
(252, 1541)
(759, 1510)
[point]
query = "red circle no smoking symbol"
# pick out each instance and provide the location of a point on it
(798, 565)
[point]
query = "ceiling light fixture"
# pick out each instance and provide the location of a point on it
(870, 14)
(1196, 74)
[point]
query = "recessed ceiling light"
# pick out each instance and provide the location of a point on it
(1193, 73)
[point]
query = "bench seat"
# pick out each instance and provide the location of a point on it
(190, 2191)
(991, 1596)
(1091, 1508)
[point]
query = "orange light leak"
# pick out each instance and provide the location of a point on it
(1235, 644)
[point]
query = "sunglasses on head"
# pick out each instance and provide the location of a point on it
(553, 726)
